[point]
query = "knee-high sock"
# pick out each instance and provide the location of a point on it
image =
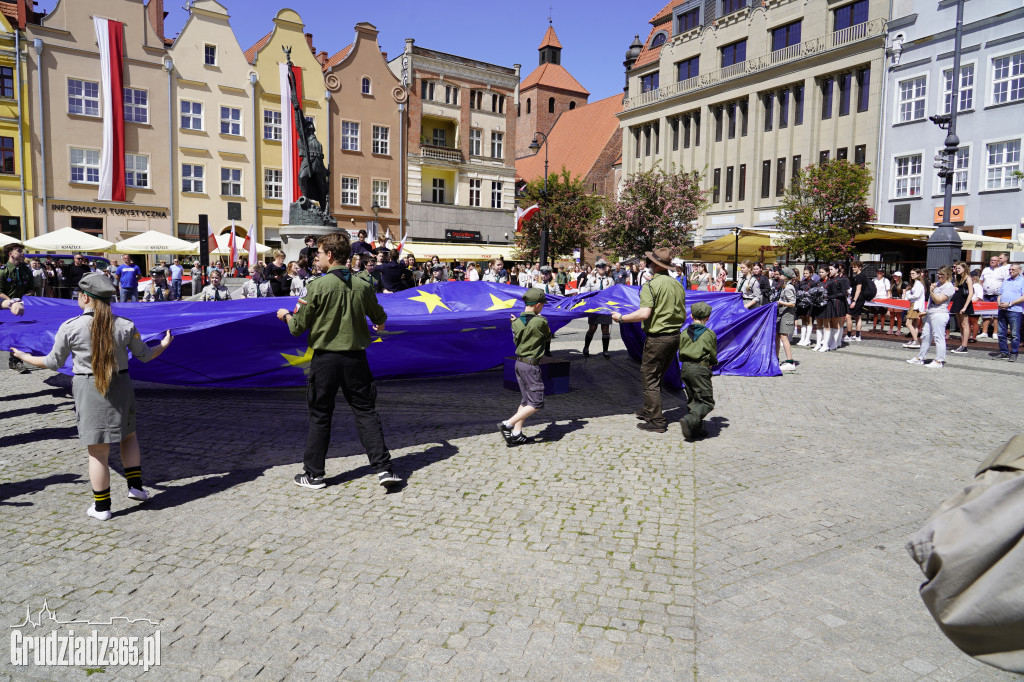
(821, 338)
(586, 341)
(605, 340)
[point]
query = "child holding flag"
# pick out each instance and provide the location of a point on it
(531, 334)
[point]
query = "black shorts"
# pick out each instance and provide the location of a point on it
(858, 307)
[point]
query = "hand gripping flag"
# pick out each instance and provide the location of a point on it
(524, 214)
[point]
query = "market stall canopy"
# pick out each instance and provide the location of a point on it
(154, 242)
(5, 240)
(223, 250)
(469, 252)
(68, 240)
(922, 232)
(751, 244)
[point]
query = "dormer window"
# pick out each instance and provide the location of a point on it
(658, 40)
(688, 16)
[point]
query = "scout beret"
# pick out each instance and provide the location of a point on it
(533, 296)
(97, 286)
(788, 273)
(700, 310)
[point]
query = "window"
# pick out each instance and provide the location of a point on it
(426, 90)
(798, 105)
(379, 190)
(495, 194)
(688, 68)
(647, 84)
(136, 171)
(908, 176)
(380, 140)
(686, 131)
(497, 140)
(365, 86)
(734, 53)
(730, 6)
(1008, 78)
(863, 88)
(786, 36)
(85, 165)
(741, 190)
(823, 158)
(783, 109)
(636, 136)
(1002, 159)
(728, 183)
(6, 82)
(731, 110)
(796, 168)
(743, 117)
(769, 113)
(498, 104)
(349, 191)
(965, 89)
(210, 55)
(853, 14)
(717, 112)
(230, 121)
(696, 129)
(551, 104)
(860, 154)
(272, 183)
(271, 124)
(451, 94)
(476, 142)
(192, 178)
(674, 122)
(350, 136)
(845, 88)
(136, 106)
(231, 182)
(647, 140)
(439, 137)
(83, 97)
(438, 190)
(688, 16)
(827, 85)
(911, 94)
(961, 172)
(6, 154)
(766, 179)
(657, 136)
(716, 186)
(191, 115)
(476, 100)
(780, 177)
(842, 153)
(474, 192)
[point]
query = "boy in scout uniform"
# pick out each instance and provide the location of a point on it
(15, 281)
(256, 287)
(662, 312)
(334, 310)
(531, 334)
(698, 353)
(215, 291)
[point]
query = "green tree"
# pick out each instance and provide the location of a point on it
(568, 211)
(824, 209)
(654, 209)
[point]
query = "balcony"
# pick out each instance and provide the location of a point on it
(430, 151)
(870, 29)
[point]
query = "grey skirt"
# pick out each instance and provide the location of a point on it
(599, 319)
(104, 419)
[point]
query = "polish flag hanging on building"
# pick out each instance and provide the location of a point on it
(232, 247)
(289, 141)
(110, 38)
(524, 214)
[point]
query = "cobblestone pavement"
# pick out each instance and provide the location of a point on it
(773, 549)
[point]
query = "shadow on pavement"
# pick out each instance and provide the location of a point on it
(23, 411)
(31, 437)
(31, 486)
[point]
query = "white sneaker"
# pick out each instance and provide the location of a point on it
(823, 349)
(137, 494)
(935, 364)
(787, 367)
(915, 361)
(846, 338)
(983, 336)
(101, 515)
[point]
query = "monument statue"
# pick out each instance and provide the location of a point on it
(313, 177)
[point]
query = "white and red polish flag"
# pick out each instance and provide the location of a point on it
(233, 246)
(524, 214)
(110, 38)
(250, 245)
(211, 239)
(289, 141)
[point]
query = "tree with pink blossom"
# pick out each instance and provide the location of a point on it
(570, 214)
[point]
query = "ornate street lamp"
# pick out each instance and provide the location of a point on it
(535, 147)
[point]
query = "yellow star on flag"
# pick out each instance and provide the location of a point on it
(298, 360)
(429, 300)
(377, 340)
(578, 305)
(499, 304)
(595, 310)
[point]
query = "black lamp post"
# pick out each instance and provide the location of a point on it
(736, 255)
(535, 147)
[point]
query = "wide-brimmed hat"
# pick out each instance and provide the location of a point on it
(661, 257)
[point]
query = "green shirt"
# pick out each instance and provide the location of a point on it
(15, 280)
(697, 343)
(531, 334)
(667, 300)
(335, 311)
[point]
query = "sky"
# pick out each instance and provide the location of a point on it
(594, 44)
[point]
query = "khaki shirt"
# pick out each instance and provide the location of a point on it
(75, 337)
(212, 293)
(251, 289)
(703, 349)
(16, 280)
(667, 300)
(531, 335)
(335, 311)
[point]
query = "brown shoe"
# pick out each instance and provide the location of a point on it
(639, 414)
(652, 427)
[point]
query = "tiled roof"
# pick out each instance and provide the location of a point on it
(550, 40)
(665, 12)
(649, 54)
(10, 11)
(250, 54)
(553, 76)
(334, 60)
(576, 141)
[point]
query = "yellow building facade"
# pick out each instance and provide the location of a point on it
(15, 153)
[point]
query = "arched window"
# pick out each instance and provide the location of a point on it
(658, 40)
(527, 105)
(572, 105)
(551, 105)
(366, 86)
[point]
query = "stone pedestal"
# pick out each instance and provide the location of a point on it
(305, 218)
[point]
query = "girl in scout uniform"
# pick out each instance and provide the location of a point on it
(98, 341)
(598, 281)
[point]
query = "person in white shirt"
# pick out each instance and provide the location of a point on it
(936, 319)
(883, 287)
(472, 274)
(257, 287)
(599, 280)
(493, 273)
(916, 296)
(992, 279)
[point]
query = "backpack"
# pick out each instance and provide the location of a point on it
(869, 290)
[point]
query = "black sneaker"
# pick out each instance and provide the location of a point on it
(1013, 358)
(652, 427)
(307, 481)
(606, 355)
(518, 439)
(959, 349)
(687, 432)
(388, 479)
(505, 431)
(1003, 356)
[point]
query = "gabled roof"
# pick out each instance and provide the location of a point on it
(576, 141)
(553, 76)
(250, 54)
(338, 57)
(550, 40)
(650, 54)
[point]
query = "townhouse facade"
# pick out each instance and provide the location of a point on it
(461, 132)
(987, 195)
(747, 93)
(15, 150)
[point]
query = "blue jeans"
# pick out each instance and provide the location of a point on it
(129, 294)
(175, 289)
(1009, 331)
